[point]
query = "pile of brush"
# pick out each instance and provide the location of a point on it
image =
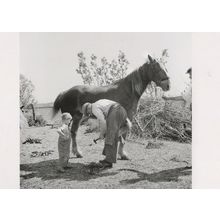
(159, 119)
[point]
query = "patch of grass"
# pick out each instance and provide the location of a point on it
(154, 145)
(32, 141)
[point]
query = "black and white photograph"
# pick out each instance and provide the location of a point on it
(105, 110)
(110, 107)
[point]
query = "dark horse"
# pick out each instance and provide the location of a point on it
(126, 91)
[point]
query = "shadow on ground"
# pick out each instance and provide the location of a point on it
(47, 170)
(162, 176)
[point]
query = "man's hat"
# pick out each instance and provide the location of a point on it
(85, 108)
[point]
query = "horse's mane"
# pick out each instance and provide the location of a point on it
(135, 79)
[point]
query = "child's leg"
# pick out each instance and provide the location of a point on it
(61, 156)
(67, 155)
(61, 164)
(65, 162)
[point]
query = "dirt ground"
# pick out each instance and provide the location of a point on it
(167, 165)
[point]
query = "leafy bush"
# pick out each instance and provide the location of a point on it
(26, 91)
(38, 122)
(30, 120)
(102, 72)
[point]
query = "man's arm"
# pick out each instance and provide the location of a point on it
(101, 118)
(84, 118)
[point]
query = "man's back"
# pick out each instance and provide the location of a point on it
(104, 105)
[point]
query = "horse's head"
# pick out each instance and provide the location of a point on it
(158, 74)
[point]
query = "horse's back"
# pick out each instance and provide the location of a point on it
(75, 97)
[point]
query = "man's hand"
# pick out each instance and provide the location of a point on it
(84, 118)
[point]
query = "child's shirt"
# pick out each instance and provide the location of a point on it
(64, 132)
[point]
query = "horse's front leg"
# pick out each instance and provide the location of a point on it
(121, 151)
(75, 125)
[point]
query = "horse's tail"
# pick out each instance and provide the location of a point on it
(57, 104)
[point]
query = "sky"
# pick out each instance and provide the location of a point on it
(50, 60)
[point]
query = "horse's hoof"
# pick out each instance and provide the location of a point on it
(125, 157)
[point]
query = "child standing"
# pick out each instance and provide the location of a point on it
(64, 141)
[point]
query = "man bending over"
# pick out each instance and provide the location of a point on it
(113, 122)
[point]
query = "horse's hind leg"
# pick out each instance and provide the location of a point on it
(76, 121)
(121, 151)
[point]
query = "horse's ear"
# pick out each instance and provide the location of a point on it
(150, 58)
